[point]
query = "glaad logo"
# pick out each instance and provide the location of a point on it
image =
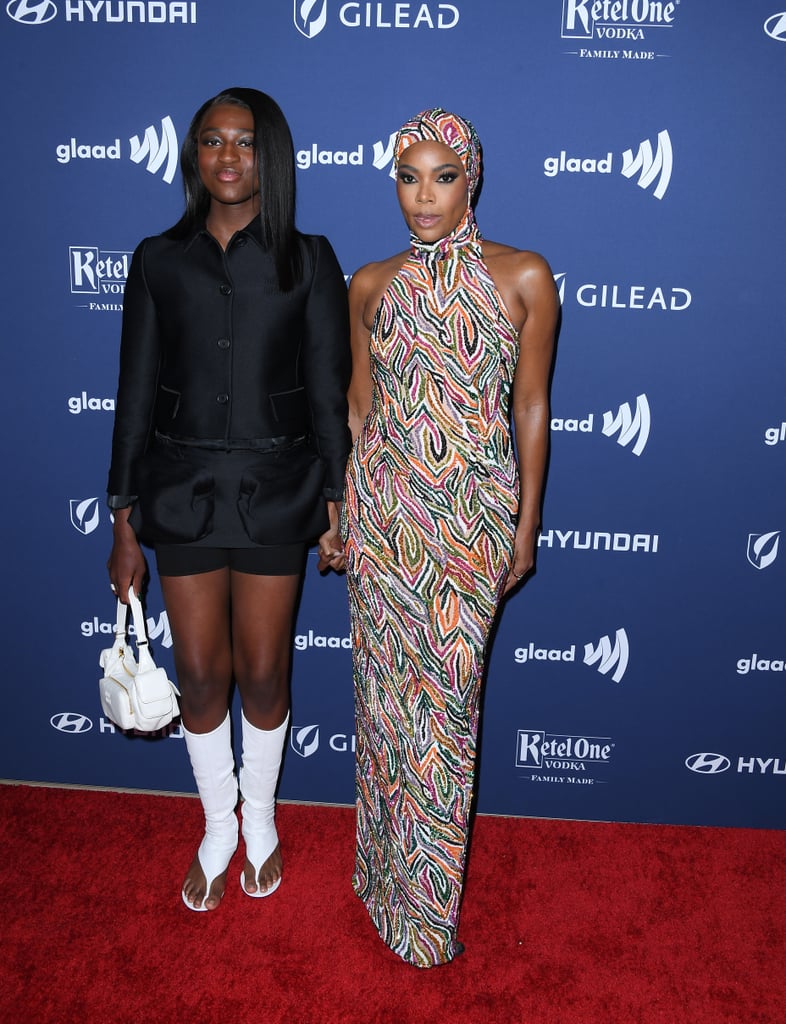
(84, 514)
(305, 740)
(708, 764)
(775, 27)
(383, 155)
(609, 657)
(763, 548)
(69, 722)
(81, 403)
(632, 427)
(310, 17)
(27, 13)
(774, 435)
(757, 664)
(311, 639)
(649, 166)
(154, 629)
(157, 150)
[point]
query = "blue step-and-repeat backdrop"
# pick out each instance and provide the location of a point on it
(640, 146)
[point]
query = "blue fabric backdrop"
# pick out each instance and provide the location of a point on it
(639, 146)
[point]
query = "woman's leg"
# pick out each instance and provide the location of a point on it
(263, 609)
(198, 611)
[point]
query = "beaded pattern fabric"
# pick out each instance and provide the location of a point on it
(428, 519)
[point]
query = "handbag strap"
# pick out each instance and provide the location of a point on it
(120, 624)
(144, 656)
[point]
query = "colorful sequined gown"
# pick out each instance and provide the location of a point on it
(429, 517)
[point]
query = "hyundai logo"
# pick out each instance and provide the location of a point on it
(708, 764)
(68, 721)
(775, 27)
(27, 13)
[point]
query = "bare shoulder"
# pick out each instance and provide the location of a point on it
(369, 283)
(524, 279)
(516, 262)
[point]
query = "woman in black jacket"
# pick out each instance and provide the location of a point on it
(228, 456)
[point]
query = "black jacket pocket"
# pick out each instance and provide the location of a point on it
(175, 499)
(280, 498)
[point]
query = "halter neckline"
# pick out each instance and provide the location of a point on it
(463, 241)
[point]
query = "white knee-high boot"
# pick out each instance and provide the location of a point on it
(214, 773)
(262, 752)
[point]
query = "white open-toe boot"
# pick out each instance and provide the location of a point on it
(262, 752)
(214, 772)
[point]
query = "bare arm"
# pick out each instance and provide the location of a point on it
(535, 287)
(360, 388)
(331, 553)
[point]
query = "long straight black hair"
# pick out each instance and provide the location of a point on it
(276, 168)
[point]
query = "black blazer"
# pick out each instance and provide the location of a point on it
(213, 351)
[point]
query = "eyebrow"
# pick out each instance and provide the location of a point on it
(439, 167)
(218, 128)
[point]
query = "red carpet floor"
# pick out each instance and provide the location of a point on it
(563, 923)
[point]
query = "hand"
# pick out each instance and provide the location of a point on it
(523, 558)
(127, 566)
(331, 550)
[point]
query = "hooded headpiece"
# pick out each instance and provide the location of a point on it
(438, 125)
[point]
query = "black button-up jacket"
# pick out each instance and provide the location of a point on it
(213, 351)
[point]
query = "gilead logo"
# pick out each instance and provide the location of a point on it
(311, 16)
(304, 740)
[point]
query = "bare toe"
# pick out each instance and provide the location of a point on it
(269, 873)
(195, 885)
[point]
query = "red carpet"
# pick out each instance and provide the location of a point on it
(563, 923)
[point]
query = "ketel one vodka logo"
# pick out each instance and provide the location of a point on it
(97, 272)
(536, 748)
(615, 19)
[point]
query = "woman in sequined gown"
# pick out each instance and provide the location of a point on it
(450, 339)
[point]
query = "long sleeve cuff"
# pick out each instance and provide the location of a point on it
(115, 501)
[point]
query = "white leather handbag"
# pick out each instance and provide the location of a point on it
(135, 694)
